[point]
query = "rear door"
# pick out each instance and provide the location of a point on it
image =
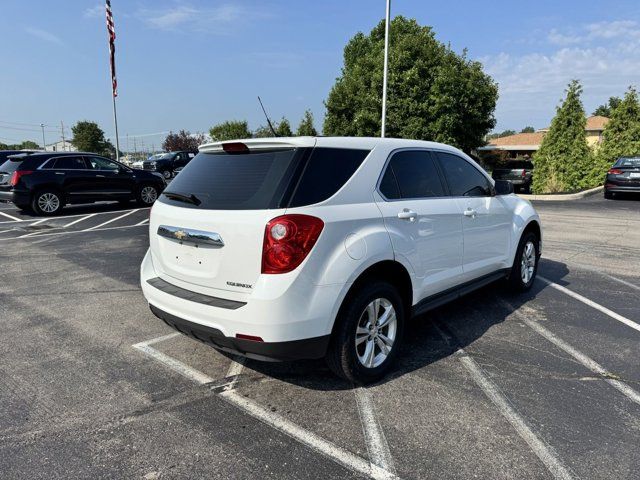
(425, 225)
(73, 174)
(487, 220)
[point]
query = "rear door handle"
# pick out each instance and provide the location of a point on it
(99, 176)
(59, 173)
(470, 212)
(407, 214)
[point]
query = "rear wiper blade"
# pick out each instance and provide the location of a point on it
(183, 198)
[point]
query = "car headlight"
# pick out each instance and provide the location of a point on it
(153, 164)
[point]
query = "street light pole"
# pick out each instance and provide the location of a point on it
(44, 145)
(386, 69)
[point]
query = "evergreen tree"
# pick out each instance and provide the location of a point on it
(528, 130)
(306, 128)
(283, 129)
(230, 130)
(621, 136)
(564, 160)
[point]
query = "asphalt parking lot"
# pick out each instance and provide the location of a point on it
(541, 385)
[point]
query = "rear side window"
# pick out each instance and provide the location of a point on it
(411, 174)
(463, 178)
(326, 171)
(10, 166)
(69, 163)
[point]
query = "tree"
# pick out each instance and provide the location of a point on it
(607, 109)
(230, 130)
(564, 159)
(433, 93)
(505, 133)
(528, 130)
(26, 145)
(621, 136)
(263, 131)
(283, 129)
(89, 137)
(182, 140)
(306, 128)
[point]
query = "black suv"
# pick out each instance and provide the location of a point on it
(45, 182)
(168, 162)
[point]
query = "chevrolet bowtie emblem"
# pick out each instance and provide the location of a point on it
(180, 234)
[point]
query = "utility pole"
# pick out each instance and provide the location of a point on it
(44, 145)
(386, 69)
(135, 150)
(64, 144)
(127, 144)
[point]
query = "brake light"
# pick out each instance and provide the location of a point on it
(524, 173)
(287, 242)
(614, 171)
(235, 147)
(15, 178)
(251, 338)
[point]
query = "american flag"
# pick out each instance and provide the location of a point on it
(112, 48)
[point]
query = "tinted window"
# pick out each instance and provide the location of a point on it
(326, 171)
(10, 166)
(464, 179)
(99, 163)
(68, 163)
(223, 181)
(416, 175)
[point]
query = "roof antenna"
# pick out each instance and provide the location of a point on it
(267, 117)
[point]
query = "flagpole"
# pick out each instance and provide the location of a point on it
(115, 122)
(386, 70)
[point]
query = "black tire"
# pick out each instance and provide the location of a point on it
(608, 195)
(143, 199)
(167, 174)
(343, 355)
(516, 280)
(47, 202)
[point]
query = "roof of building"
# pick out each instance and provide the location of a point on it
(597, 122)
(525, 139)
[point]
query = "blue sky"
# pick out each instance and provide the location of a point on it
(192, 63)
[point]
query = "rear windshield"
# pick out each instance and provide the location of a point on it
(628, 162)
(264, 179)
(518, 164)
(10, 165)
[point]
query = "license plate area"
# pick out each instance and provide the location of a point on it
(189, 260)
(634, 175)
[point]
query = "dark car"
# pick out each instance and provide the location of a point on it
(518, 172)
(168, 162)
(45, 182)
(623, 177)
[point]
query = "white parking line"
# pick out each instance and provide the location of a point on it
(15, 219)
(142, 222)
(69, 216)
(82, 219)
(38, 222)
(271, 419)
(592, 304)
(377, 446)
(543, 451)
(77, 231)
(111, 221)
(525, 312)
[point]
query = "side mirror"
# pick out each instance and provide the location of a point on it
(504, 187)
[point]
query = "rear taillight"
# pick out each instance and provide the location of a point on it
(614, 171)
(15, 178)
(524, 173)
(288, 240)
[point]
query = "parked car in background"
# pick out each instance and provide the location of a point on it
(518, 172)
(623, 177)
(45, 182)
(168, 162)
(291, 248)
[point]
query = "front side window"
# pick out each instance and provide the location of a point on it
(411, 174)
(69, 163)
(98, 163)
(464, 179)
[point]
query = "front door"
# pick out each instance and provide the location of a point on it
(113, 182)
(487, 220)
(425, 226)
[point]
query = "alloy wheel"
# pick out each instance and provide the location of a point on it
(149, 195)
(376, 333)
(528, 262)
(48, 202)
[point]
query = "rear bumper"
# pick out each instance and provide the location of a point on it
(309, 348)
(610, 187)
(18, 198)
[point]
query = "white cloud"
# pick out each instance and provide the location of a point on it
(604, 56)
(218, 19)
(43, 35)
(95, 11)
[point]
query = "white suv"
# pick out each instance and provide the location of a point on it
(291, 248)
